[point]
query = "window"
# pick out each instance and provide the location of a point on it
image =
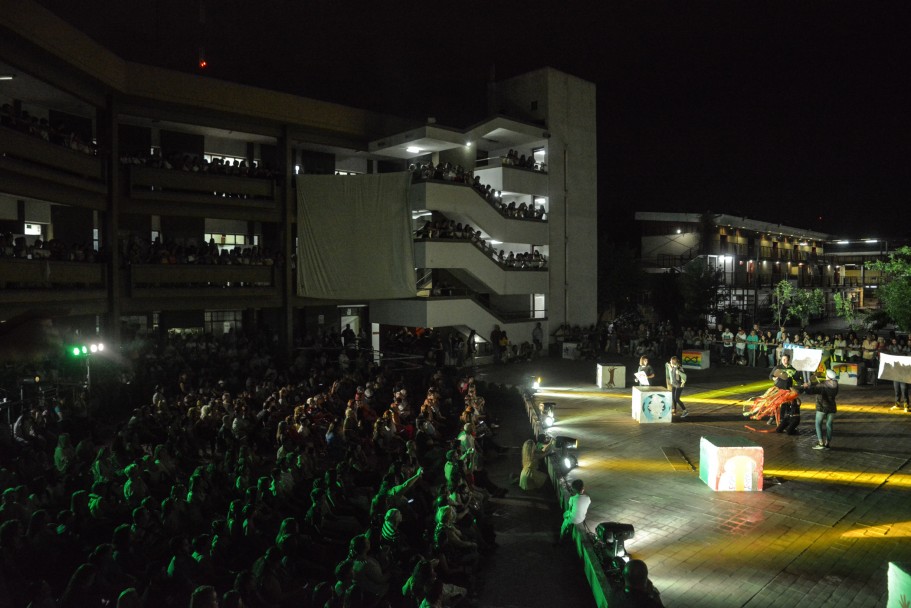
(227, 242)
(219, 322)
(538, 306)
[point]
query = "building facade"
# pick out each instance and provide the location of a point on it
(137, 196)
(753, 256)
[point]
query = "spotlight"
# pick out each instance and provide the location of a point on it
(569, 463)
(548, 415)
(614, 534)
(562, 442)
(93, 348)
(563, 448)
(536, 382)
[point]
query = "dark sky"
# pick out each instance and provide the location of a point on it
(792, 112)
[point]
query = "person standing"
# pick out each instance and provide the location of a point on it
(752, 346)
(537, 338)
(826, 393)
(727, 346)
(646, 369)
(576, 509)
(740, 345)
(676, 380)
(900, 388)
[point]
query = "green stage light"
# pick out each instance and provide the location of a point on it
(75, 351)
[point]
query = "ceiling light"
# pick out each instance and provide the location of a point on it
(6, 76)
(413, 150)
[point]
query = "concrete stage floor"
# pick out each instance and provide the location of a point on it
(820, 534)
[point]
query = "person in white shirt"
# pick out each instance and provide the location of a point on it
(577, 508)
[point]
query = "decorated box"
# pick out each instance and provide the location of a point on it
(730, 464)
(848, 373)
(610, 376)
(695, 359)
(651, 404)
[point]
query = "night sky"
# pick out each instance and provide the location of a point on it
(791, 112)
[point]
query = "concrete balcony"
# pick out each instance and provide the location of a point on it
(66, 287)
(513, 180)
(188, 286)
(34, 168)
(477, 270)
(462, 204)
(154, 190)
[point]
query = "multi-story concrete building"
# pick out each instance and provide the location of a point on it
(753, 256)
(157, 171)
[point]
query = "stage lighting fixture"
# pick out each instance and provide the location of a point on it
(548, 413)
(562, 442)
(569, 462)
(536, 382)
(614, 535)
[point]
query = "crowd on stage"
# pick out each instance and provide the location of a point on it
(253, 480)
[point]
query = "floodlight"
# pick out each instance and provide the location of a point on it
(548, 415)
(562, 442)
(93, 348)
(614, 535)
(569, 462)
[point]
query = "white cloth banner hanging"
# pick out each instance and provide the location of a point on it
(803, 359)
(354, 239)
(894, 367)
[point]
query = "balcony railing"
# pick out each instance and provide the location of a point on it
(155, 183)
(44, 274)
(30, 152)
(191, 276)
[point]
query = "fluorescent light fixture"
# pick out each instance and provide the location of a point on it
(420, 213)
(495, 242)
(6, 76)
(841, 242)
(871, 240)
(413, 150)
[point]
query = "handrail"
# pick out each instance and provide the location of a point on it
(503, 266)
(493, 206)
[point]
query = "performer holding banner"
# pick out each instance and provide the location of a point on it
(769, 404)
(896, 368)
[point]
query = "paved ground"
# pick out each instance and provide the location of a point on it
(821, 534)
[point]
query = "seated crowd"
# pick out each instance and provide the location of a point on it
(12, 246)
(305, 484)
(195, 164)
(514, 159)
(41, 128)
(449, 229)
(170, 252)
(456, 174)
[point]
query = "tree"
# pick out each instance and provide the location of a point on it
(781, 295)
(844, 308)
(791, 302)
(806, 303)
(698, 285)
(895, 293)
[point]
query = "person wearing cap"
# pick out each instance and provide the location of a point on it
(825, 407)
